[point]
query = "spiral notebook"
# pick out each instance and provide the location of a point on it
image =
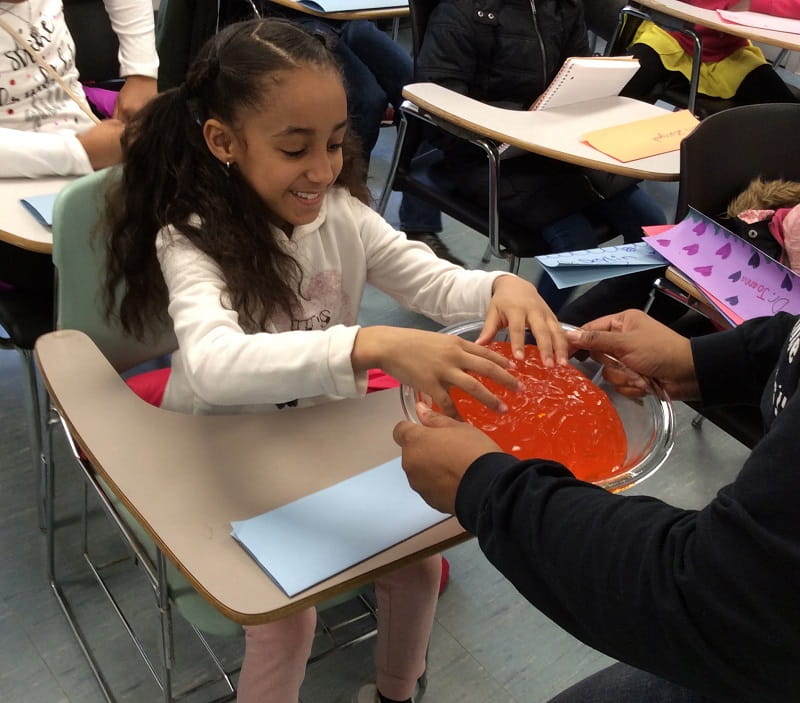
(581, 79)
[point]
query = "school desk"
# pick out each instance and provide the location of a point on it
(186, 477)
(366, 13)
(17, 225)
(709, 18)
(556, 133)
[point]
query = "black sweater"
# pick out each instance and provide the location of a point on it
(709, 599)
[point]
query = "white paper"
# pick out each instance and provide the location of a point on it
(320, 535)
(761, 21)
(351, 5)
(574, 268)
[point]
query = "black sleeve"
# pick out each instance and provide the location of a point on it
(448, 54)
(706, 599)
(578, 43)
(734, 366)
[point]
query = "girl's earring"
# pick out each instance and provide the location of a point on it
(228, 165)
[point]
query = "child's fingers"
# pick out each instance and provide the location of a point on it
(550, 340)
(475, 349)
(472, 386)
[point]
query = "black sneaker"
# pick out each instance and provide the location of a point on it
(437, 245)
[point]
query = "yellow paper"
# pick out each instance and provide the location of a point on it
(643, 138)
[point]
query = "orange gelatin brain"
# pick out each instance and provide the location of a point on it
(557, 414)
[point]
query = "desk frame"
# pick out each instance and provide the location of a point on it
(152, 459)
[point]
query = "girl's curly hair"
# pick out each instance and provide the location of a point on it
(171, 178)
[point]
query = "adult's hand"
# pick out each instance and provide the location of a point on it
(645, 348)
(437, 453)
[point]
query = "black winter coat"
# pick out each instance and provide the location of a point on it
(505, 53)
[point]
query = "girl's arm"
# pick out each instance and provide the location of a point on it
(409, 273)
(38, 154)
(448, 54)
(133, 23)
(224, 364)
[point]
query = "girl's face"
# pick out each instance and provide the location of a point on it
(290, 150)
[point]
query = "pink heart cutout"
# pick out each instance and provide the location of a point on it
(691, 249)
(704, 270)
(724, 251)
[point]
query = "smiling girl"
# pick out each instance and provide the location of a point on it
(242, 209)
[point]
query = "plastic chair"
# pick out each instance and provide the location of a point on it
(27, 314)
(751, 141)
(79, 256)
(416, 169)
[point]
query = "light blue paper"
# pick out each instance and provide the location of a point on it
(574, 268)
(322, 534)
(351, 5)
(41, 207)
(568, 277)
(636, 254)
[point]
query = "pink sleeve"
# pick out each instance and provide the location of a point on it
(779, 8)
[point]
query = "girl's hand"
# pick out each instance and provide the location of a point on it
(516, 304)
(134, 95)
(433, 363)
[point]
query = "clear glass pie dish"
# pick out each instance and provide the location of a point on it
(648, 422)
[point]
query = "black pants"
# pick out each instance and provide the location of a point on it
(761, 85)
(621, 683)
(26, 270)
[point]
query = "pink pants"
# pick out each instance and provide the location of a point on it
(276, 653)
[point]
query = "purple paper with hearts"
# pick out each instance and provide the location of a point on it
(740, 276)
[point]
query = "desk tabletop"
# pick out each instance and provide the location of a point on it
(363, 14)
(556, 132)
(710, 18)
(17, 225)
(186, 477)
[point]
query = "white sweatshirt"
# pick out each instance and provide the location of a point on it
(220, 368)
(38, 121)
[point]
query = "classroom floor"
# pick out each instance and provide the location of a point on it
(488, 644)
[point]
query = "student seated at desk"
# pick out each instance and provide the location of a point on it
(375, 69)
(732, 68)
(45, 132)
(700, 605)
(506, 52)
(242, 208)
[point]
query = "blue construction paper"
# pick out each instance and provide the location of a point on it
(636, 254)
(574, 268)
(320, 535)
(351, 5)
(41, 207)
(569, 276)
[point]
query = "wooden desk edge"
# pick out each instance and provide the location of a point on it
(23, 243)
(784, 40)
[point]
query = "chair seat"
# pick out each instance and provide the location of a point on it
(25, 317)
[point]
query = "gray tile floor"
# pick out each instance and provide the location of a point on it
(488, 645)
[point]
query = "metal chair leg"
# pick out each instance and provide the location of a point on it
(35, 424)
